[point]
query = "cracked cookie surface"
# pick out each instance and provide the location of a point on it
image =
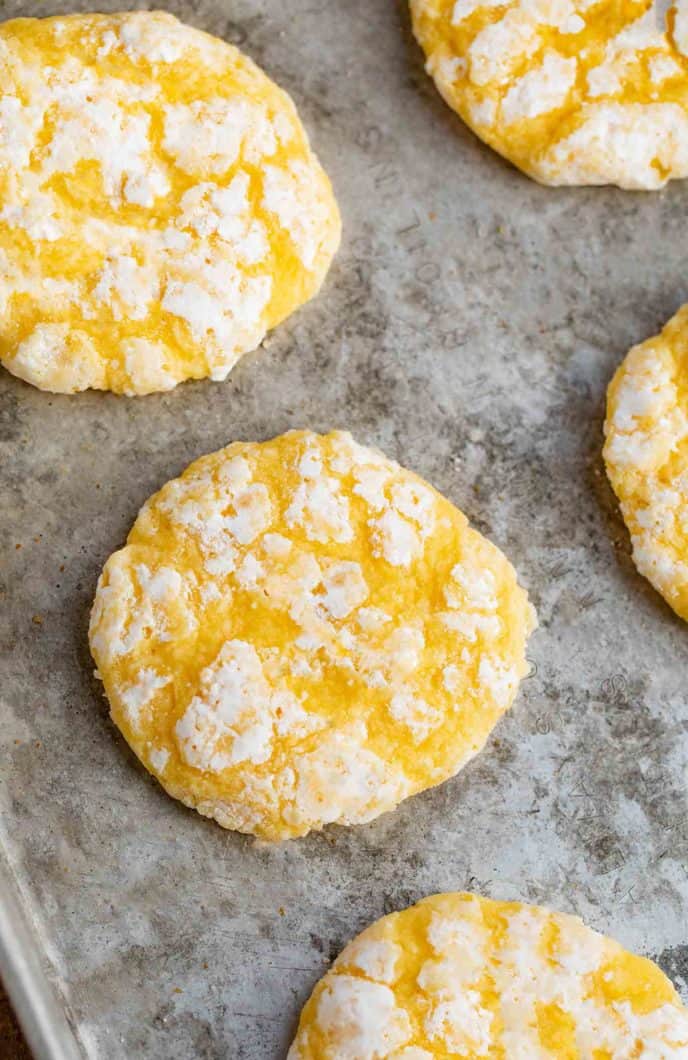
(646, 454)
(461, 976)
(160, 206)
(301, 632)
(570, 91)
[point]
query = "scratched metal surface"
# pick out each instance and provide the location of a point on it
(469, 328)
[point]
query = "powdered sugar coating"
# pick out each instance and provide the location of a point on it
(572, 92)
(458, 975)
(161, 208)
(297, 668)
(646, 453)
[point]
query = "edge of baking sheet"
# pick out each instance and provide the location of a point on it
(42, 1018)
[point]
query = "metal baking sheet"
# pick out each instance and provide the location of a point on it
(469, 328)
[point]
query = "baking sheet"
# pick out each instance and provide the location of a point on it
(469, 328)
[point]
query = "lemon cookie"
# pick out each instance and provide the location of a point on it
(646, 453)
(301, 632)
(571, 91)
(462, 976)
(160, 206)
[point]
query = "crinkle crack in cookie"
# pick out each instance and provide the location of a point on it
(571, 91)
(301, 632)
(160, 207)
(646, 453)
(465, 977)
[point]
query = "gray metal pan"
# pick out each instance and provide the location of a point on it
(469, 328)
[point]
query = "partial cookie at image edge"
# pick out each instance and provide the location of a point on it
(458, 974)
(162, 208)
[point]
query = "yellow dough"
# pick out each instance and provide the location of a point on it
(646, 453)
(301, 632)
(571, 91)
(465, 977)
(160, 207)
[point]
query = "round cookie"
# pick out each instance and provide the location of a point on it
(646, 453)
(160, 206)
(570, 91)
(301, 632)
(463, 976)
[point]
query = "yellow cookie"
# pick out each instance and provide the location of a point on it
(160, 206)
(646, 453)
(301, 632)
(465, 977)
(571, 91)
